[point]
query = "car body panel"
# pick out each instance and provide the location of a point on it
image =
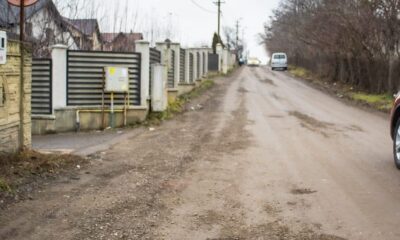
(394, 115)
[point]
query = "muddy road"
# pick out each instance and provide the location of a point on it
(263, 156)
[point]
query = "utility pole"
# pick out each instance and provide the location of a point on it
(218, 3)
(22, 79)
(237, 35)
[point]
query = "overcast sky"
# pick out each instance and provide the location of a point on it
(191, 22)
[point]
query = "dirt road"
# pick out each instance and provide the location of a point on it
(263, 156)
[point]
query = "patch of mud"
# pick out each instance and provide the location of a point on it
(268, 81)
(276, 116)
(274, 95)
(313, 124)
(302, 191)
(355, 128)
(243, 90)
(275, 231)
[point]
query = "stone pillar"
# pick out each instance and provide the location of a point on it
(165, 60)
(143, 47)
(206, 70)
(195, 62)
(59, 58)
(225, 61)
(187, 66)
(201, 74)
(219, 51)
(177, 49)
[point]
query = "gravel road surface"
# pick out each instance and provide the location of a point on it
(262, 156)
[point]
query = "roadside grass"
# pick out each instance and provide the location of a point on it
(178, 106)
(299, 72)
(21, 168)
(381, 102)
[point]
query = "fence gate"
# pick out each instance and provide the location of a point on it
(41, 86)
(213, 62)
(182, 68)
(191, 65)
(85, 77)
(171, 70)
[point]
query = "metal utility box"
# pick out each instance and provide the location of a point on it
(3, 47)
(117, 79)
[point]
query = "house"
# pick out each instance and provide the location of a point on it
(120, 42)
(44, 26)
(86, 33)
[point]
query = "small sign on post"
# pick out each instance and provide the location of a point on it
(3, 47)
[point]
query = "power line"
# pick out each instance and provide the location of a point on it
(202, 8)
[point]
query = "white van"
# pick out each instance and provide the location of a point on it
(279, 60)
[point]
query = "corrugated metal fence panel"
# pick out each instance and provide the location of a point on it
(171, 71)
(86, 75)
(182, 65)
(191, 65)
(41, 86)
(213, 64)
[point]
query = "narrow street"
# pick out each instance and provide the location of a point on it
(265, 157)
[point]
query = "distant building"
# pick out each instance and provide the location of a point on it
(44, 26)
(86, 33)
(120, 42)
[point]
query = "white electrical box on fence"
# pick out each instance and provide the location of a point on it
(3, 47)
(117, 79)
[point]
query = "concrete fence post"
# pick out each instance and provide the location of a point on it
(165, 53)
(143, 47)
(59, 76)
(225, 61)
(195, 62)
(187, 66)
(177, 50)
(201, 73)
(219, 51)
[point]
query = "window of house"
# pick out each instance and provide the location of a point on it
(50, 35)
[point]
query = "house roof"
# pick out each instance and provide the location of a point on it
(132, 37)
(86, 26)
(9, 15)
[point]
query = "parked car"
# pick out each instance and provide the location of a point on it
(395, 130)
(279, 61)
(253, 62)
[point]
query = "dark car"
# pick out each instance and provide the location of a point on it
(395, 130)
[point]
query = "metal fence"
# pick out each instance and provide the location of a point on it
(41, 86)
(85, 77)
(171, 70)
(182, 68)
(191, 65)
(213, 64)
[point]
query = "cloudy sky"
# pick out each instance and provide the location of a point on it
(191, 22)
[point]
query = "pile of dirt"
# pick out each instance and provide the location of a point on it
(21, 172)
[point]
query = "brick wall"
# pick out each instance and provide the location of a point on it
(9, 104)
